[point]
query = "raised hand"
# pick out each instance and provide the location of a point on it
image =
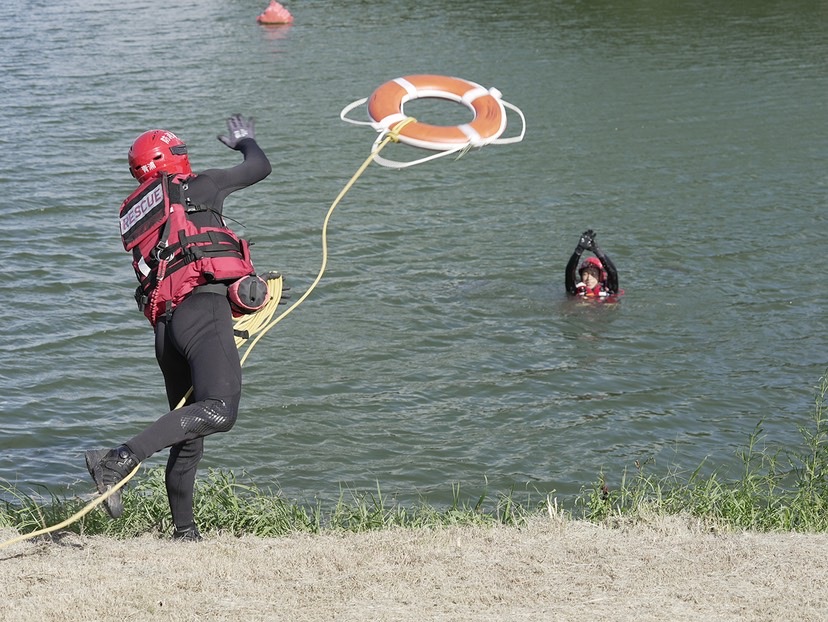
(238, 128)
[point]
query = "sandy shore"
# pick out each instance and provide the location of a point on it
(671, 569)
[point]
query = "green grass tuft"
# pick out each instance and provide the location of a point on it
(777, 490)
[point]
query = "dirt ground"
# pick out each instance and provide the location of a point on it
(670, 569)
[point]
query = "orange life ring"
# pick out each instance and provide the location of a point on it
(385, 107)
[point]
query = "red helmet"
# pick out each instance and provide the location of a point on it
(594, 262)
(157, 151)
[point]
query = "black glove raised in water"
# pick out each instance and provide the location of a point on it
(587, 241)
(238, 128)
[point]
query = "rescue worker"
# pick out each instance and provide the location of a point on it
(596, 277)
(185, 259)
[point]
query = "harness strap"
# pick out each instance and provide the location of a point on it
(150, 281)
(210, 288)
(218, 244)
(213, 251)
(204, 241)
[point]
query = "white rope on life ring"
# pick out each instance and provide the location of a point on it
(385, 109)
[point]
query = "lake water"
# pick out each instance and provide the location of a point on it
(439, 348)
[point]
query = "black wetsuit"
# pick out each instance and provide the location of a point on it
(571, 277)
(195, 347)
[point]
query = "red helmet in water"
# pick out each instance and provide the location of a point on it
(157, 151)
(593, 262)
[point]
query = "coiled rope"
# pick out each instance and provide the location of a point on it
(246, 326)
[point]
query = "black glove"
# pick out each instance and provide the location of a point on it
(238, 128)
(285, 296)
(285, 289)
(587, 241)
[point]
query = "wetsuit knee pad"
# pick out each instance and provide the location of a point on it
(210, 416)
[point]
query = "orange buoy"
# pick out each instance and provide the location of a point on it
(386, 116)
(275, 13)
(385, 106)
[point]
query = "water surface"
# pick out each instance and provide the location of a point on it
(439, 348)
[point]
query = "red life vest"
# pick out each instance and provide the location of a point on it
(171, 256)
(596, 292)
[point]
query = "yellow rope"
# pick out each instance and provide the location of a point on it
(77, 515)
(258, 323)
(392, 136)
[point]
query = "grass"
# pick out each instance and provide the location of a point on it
(776, 491)
(226, 505)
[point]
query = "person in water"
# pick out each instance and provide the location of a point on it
(596, 277)
(186, 260)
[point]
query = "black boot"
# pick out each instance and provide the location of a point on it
(108, 467)
(188, 534)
